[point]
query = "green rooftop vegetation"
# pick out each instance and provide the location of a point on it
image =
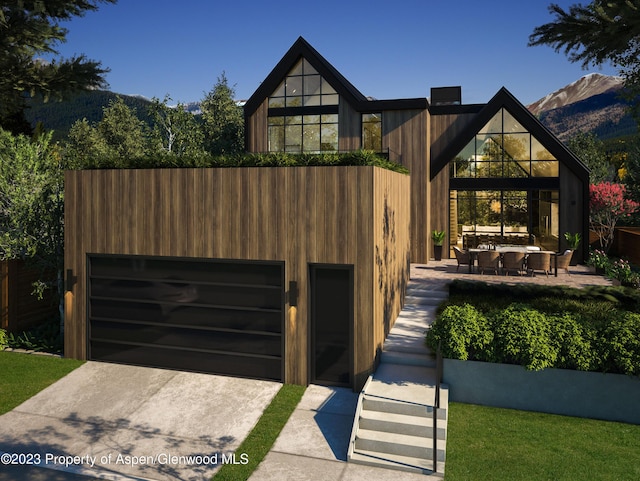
(279, 159)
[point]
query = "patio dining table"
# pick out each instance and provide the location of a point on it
(473, 254)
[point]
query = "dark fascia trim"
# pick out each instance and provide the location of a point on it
(301, 48)
(370, 106)
(455, 109)
(505, 99)
(517, 183)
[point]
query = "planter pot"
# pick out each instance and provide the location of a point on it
(574, 259)
(437, 252)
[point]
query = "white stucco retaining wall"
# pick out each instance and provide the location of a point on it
(611, 397)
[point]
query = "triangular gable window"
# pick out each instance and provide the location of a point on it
(303, 87)
(503, 148)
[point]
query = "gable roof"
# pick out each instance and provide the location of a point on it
(505, 99)
(302, 48)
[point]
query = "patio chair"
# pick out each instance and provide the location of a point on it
(488, 260)
(564, 260)
(513, 261)
(539, 261)
(463, 257)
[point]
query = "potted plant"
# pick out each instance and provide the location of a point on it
(437, 236)
(573, 241)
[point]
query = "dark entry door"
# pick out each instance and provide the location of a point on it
(216, 316)
(332, 320)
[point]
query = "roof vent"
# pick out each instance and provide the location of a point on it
(446, 96)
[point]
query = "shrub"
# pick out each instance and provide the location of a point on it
(623, 343)
(45, 337)
(3, 340)
(573, 343)
(522, 335)
(463, 331)
(620, 269)
(598, 259)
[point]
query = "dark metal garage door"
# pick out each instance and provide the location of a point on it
(223, 317)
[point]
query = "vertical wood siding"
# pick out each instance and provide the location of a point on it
(404, 134)
(299, 215)
(572, 206)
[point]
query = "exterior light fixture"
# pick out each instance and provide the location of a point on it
(69, 281)
(293, 293)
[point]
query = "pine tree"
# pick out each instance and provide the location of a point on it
(223, 120)
(29, 28)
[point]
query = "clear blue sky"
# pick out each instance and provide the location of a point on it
(388, 49)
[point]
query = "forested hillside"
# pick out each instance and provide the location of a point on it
(60, 116)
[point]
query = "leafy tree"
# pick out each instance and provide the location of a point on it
(223, 120)
(29, 28)
(607, 205)
(591, 151)
(599, 32)
(119, 135)
(84, 145)
(176, 130)
(124, 133)
(31, 205)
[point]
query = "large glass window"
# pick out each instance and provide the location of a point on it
(307, 119)
(303, 87)
(372, 132)
(303, 133)
(505, 217)
(503, 148)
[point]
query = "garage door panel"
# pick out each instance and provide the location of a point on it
(184, 293)
(214, 340)
(226, 273)
(239, 319)
(135, 312)
(152, 356)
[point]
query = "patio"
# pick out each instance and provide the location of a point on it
(445, 271)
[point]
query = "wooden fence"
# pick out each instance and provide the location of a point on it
(626, 243)
(20, 310)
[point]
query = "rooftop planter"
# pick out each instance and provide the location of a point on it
(279, 159)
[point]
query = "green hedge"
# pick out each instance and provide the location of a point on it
(588, 337)
(358, 157)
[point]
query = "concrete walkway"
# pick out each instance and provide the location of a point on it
(313, 444)
(126, 422)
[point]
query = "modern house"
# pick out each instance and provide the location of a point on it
(297, 273)
(489, 173)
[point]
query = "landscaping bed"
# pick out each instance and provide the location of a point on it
(593, 329)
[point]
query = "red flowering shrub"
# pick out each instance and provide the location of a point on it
(607, 205)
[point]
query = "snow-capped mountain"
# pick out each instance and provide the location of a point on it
(583, 88)
(590, 104)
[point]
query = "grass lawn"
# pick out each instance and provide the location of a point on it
(263, 435)
(23, 375)
(495, 444)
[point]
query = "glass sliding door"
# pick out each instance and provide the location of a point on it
(503, 217)
(545, 218)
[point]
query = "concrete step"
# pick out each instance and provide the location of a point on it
(401, 424)
(438, 287)
(398, 444)
(400, 463)
(373, 403)
(395, 353)
(426, 299)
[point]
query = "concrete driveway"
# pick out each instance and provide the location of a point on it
(108, 421)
